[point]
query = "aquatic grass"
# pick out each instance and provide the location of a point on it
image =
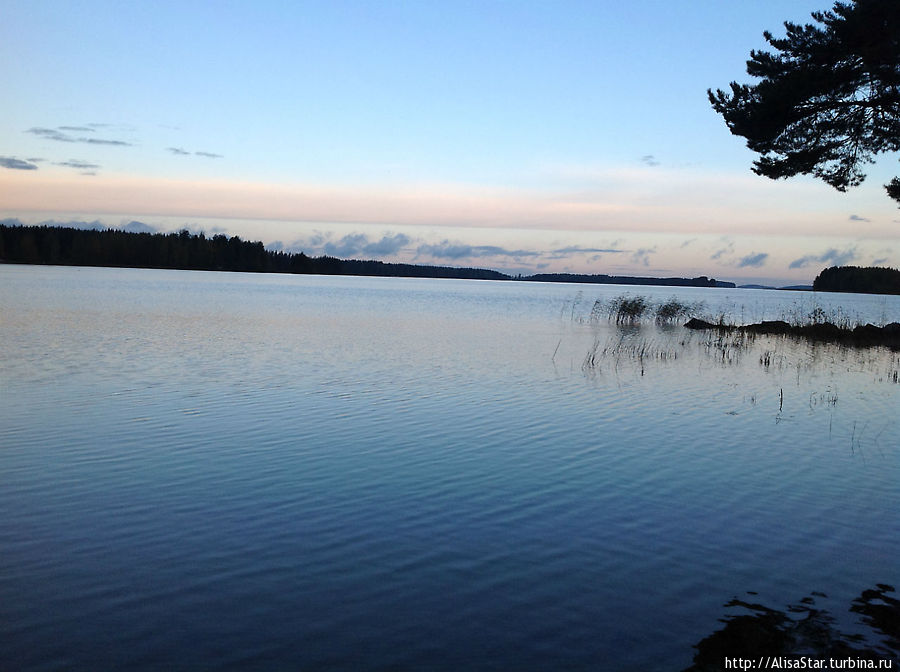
(675, 310)
(772, 359)
(723, 340)
(727, 347)
(638, 351)
(892, 372)
(805, 313)
(627, 309)
(633, 310)
(637, 309)
(671, 310)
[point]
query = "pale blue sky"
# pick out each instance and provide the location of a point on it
(559, 131)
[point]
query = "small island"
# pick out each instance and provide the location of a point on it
(862, 280)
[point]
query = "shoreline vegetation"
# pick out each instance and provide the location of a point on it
(68, 246)
(862, 335)
(864, 280)
(817, 325)
(63, 246)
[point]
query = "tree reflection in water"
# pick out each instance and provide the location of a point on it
(759, 631)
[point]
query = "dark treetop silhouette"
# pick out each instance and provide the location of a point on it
(828, 99)
(78, 247)
(871, 280)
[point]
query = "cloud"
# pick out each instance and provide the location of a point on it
(83, 129)
(576, 249)
(387, 245)
(839, 258)
(16, 164)
(356, 243)
(181, 151)
(50, 134)
(753, 260)
(495, 251)
(649, 160)
(57, 135)
(448, 250)
(80, 165)
(642, 255)
(96, 225)
(880, 261)
(639, 201)
(721, 252)
(138, 227)
(832, 256)
(97, 141)
(857, 218)
(349, 245)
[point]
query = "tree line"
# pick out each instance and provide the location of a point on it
(65, 246)
(701, 281)
(868, 280)
(183, 250)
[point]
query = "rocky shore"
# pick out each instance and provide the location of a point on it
(864, 335)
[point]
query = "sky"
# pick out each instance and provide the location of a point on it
(526, 137)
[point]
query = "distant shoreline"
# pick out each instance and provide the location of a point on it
(64, 246)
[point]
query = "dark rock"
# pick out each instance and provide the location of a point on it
(695, 323)
(868, 332)
(822, 331)
(863, 335)
(770, 327)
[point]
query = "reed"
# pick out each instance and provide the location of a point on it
(628, 309)
(675, 310)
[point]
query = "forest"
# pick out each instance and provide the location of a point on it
(66, 246)
(863, 280)
(701, 281)
(184, 250)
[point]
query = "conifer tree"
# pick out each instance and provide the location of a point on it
(828, 99)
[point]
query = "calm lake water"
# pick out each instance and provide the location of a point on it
(238, 471)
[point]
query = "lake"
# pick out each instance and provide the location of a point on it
(234, 471)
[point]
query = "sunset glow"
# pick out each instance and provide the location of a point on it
(361, 124)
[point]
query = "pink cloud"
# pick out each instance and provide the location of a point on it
(665, 203)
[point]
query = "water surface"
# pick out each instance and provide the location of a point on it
(226, 470)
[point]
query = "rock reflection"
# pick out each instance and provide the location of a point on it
(803, 631)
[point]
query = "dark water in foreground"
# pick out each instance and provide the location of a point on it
(232, 471)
